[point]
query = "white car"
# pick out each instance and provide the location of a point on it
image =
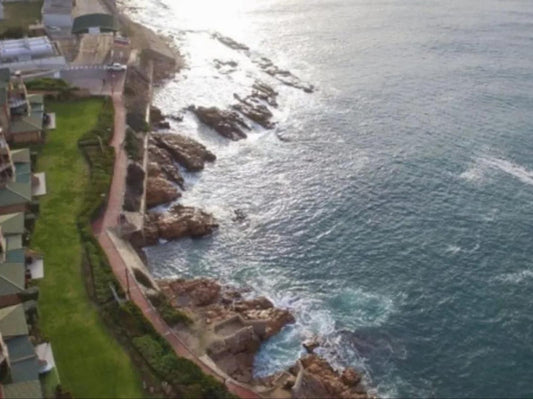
(116, 67)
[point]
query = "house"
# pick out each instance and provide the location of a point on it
(58, 13)
(95, 24)
(21, 365)
(21, 115)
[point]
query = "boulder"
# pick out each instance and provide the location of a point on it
(254, 110)
(282, 75)
(350, 377)
(160, 191)
(228, 41)
(226, 123)
(179, 222)
(264, 92)
(162, 164)
(187, 152)
(310, 345)
(198, 292)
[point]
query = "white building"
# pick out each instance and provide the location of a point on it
(58, 13)
(26, 49)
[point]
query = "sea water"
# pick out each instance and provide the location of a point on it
(392, 209)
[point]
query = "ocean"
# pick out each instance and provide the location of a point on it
(392, 209)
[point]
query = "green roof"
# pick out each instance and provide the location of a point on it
(106, 23)
(29, 123)
(24, 390)
(12, 223)
(3, 95)
(16, 256)
(12, 278)
(13, 321)
(5, 75)
(19, 191)
(15, 193)
(14, 242)
(24, 362)
(21, 156)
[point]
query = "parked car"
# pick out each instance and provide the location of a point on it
(116, 67)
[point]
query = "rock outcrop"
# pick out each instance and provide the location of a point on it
(240, 325)
(254, 110)
(282, 75)
(161, 164)
(160, 191)
(317, 379)
(179, 222)
(228, 41)
(264, 92)
(187, 152)
(226, 123)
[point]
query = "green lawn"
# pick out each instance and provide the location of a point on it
(21, 14)
(91, 363)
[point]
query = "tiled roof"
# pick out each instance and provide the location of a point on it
(24, 390)
(13, 322)
(12, 223)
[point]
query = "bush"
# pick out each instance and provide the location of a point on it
(168, 312)
(134, 145)
(143, 278)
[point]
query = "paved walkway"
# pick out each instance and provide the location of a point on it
(109, 221)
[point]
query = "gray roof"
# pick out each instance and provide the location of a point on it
(63, 7)
(106, 23)
(24, 390)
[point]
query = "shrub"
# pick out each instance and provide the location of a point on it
(168, 312)
(142, 278)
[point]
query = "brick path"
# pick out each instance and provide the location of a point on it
(110, 221)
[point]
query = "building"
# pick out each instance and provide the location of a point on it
(58, 13)
(95, 24)
(26, 49)
(22, 115)
(30, 53)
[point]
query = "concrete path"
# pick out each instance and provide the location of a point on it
(109, 221)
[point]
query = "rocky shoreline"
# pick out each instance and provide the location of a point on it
(228, 326)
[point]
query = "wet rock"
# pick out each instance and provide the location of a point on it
(310, 345)
(239, 216)
(226, 123)
(253, 110)
(284, 76)
(177, 118)
(160, 191)
(156, 116)
(229, 42)
(350, 377)
(225, 67)
(187, 152)
(264, 92)
(161, 164)
(179, 222)
(163, 125)
(317, 373)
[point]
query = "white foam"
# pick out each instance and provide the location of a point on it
(483, 166)
(515, 278)
(453, 249)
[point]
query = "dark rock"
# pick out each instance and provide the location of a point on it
(187, 152)
(258, 113)
(226, 123)
(225, 67)
(156, 116)
(228, 41)
(162, 164)
(177, 118)
(282, 75)
(163, 125)
(264, 92)
(239, 216)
